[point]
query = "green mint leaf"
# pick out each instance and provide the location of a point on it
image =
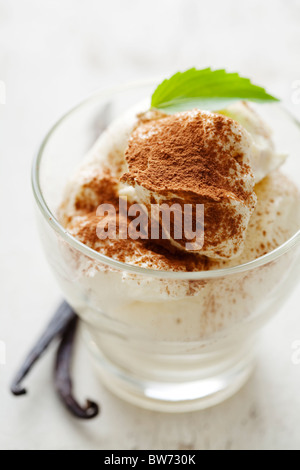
(205, 89)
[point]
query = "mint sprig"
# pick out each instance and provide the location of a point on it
(205, 89)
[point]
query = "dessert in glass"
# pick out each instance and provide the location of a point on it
(171, 322)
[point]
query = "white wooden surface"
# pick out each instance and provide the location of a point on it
(53, 53)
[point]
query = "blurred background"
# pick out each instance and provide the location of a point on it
(52, 54)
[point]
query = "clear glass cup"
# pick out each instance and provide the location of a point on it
(161, 340)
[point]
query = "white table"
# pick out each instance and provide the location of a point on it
(53, 53)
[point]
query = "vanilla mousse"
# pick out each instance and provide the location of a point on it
(168, 322)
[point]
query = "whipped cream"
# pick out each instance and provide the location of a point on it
(264, 157)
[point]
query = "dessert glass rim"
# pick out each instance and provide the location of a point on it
(89, 252)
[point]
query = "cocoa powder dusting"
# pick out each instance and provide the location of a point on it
(193, 157)
(187, 153)
(103, 190)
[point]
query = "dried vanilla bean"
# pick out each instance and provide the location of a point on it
(62, 318)
(63, 380)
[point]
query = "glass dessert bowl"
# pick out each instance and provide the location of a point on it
(165, 340)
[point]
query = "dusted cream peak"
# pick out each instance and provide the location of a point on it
(196, 157)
